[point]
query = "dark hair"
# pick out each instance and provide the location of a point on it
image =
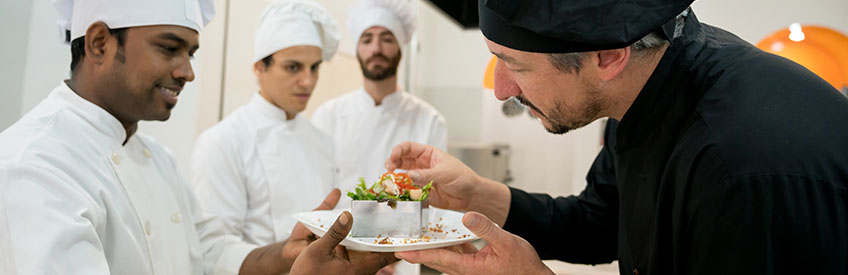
(78, 45)
(267, 61)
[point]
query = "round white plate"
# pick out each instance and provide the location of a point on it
(445, 229)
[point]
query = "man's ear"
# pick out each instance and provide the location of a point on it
(258, 68)
(96, 42)
(612, 62)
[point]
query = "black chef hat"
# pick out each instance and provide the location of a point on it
(561, 26)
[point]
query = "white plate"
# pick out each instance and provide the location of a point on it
(450, 223)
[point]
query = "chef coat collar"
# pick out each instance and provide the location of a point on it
(99, 118)
(665, 100)
(389, 101)
(270, 112)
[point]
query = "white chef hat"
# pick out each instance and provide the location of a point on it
(77, 15)
(394, 15)
(288, 23)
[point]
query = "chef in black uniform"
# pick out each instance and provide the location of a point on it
(726, 160)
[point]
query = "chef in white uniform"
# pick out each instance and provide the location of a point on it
(365, 124)
(82, 193)
(265, 161)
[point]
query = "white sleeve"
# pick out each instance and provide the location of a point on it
(52, 224)
(7, 261)
(439, 134)
(322, 119)
(220, 205)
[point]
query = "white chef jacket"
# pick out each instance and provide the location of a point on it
(80, 202)
(255, 169)
(364, 134)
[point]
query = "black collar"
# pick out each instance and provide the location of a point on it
(657, 109)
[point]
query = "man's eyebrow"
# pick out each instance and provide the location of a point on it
(506, 58)
(292, 61)
(176, 38)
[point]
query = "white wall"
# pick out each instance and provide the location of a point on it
(452, 62)
(753, 20)
(15, 33)
(448, 73)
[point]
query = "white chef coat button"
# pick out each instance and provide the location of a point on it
(146, 152)
(147, 228)
(176, 217)
(116, 158)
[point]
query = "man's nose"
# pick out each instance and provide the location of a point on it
(505, 87)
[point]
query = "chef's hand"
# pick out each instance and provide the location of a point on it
(455, 185)
(278, 257)
(325, 256)
(505, 254)
(300, 236)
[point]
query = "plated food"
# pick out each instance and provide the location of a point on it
(391, 187)
(393, 206)
(444, 228)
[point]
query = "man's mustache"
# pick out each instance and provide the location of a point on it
(386, 59)
(527, 103)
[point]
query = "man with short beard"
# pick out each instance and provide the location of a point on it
(725, 160)
(365, 124)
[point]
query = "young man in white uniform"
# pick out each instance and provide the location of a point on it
(365, 124)
(265, 161)
(84, 194)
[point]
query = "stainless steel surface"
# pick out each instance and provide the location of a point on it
(372, 218)
(488, 160)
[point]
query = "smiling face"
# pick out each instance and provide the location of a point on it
(563, 101)
(378, 53)
(288, 80)
(143, 78)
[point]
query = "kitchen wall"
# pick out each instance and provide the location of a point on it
(448, 69)
(452, 64)
(13, 51)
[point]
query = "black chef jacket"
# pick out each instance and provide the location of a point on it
(730, 161)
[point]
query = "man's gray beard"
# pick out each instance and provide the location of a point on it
(557, 116)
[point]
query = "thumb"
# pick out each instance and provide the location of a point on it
(336, 234)
(330, 201)
(421, 176)
(483, 227)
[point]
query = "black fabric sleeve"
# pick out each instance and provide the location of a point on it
(577, 229)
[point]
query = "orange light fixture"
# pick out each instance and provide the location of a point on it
(489, 78)
(822, 50)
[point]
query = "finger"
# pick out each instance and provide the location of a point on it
(422, 176)
(439, 259)
(466, 248)
(330, 201)
(402, 153)
(299, 232)
(341, 252)
(337, 232)
(373, 262)
(387, 270)
(485, 228)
